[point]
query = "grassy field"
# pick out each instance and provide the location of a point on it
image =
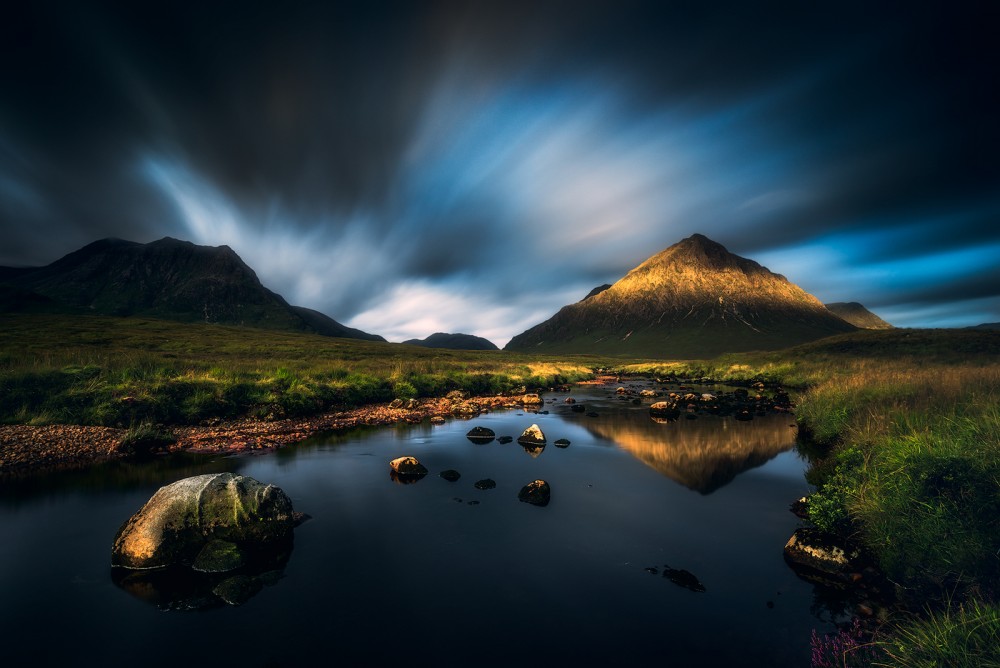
(905, 429)
(122, 371)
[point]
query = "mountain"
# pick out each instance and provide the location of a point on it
(858, 315)
(454, 341)
(168, 279)
(693, 300)
(986, 325)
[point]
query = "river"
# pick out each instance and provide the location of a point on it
(441, 572)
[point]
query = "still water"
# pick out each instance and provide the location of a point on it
(442, 573)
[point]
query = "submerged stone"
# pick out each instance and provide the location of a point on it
(536, 492)
(485, 483)
(238, 589)
(219, 556)
(480, 435)
(451, 475)
(505, 439)
(562, 443)
(683, 578)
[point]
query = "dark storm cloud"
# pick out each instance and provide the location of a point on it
(498, 160)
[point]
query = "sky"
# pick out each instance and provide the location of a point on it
(414, 167)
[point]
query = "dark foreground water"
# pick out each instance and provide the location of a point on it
(442, 573)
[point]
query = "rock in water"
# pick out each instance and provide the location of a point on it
(532, 436)
(537, 493)
(562, 443)
(480, 435)
(823, 552)
(178, 521)
(485, 483)
(451, 475)
(408, 466)
(683, 578)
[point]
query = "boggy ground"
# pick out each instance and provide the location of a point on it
(26, 449)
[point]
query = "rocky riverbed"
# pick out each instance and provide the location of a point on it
(26, 449)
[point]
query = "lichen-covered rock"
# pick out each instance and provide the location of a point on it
(480, 435)
(822, 552)
(180, 518)
(532, 436)
(407, 466)
(531, 399)
(536, 492)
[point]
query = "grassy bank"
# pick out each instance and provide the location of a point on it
(906, 432)
(122, 371)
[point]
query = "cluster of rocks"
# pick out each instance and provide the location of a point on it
(408, 470)
(741, 403)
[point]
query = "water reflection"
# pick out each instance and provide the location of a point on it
(703, 454)
(184, 588)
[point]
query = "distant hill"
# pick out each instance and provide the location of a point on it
(454, 342)
(986, 325)
(858, 315)
(693, 300)
(168, 279)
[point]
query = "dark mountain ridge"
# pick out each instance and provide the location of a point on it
(694, 299)
(168, 279)
(454, 342)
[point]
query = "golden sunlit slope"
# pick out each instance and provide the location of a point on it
(693, 300)
(858, 315)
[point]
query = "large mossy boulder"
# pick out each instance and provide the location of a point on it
(180, 519)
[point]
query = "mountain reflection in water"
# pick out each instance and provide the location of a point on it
(704, 454)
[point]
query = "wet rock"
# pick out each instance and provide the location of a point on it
(238, 589)
(219, 556)
(578, 408)
(647, 393)
(486, 483)
(505, 439)
(819, 551)
(480, 435)
(180, 518)
(408, 466)
(451, 475)
(536, 492)
(592, 414)
(800, 508)
(531, 399)
(570, 400)
(683, 578)
(532, 436)
(562, 443)
(396, 403)
(457, 395)
(652, 570)
(744, 416)
(437, 419)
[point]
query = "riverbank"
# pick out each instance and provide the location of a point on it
(26, 449)
(905, 455)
